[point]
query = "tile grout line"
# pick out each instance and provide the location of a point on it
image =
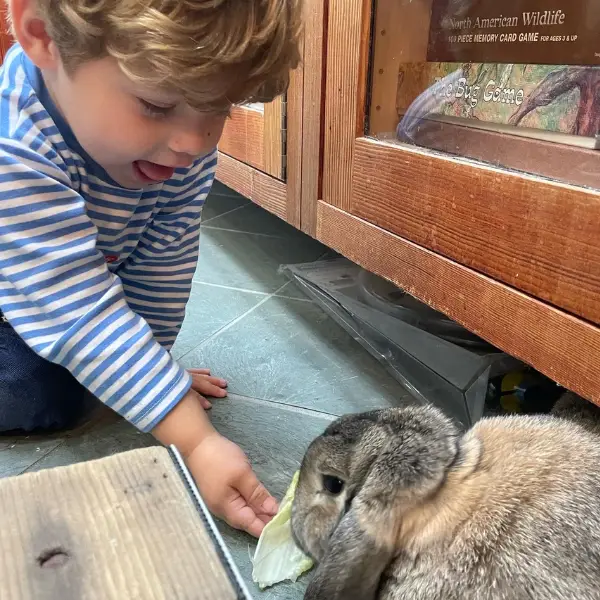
(202, 222)
(230, 288)
(255, 292)
(284, 406)
(255, 233)
(28, 468)
(235, 321)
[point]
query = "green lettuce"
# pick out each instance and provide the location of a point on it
(277, 557)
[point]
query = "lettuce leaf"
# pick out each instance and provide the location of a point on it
(277, 558)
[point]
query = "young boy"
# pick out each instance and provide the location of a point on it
(110, 112)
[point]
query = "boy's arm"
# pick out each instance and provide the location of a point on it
(58, 294)
(60, 297)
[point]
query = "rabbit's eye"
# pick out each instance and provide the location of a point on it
(332, 484)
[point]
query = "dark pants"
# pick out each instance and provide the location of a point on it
(35, 394)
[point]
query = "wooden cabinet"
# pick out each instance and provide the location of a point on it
(465, 169)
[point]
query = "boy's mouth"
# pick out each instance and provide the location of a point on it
(150, 172)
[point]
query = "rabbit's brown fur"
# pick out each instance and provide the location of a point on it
(508, 511)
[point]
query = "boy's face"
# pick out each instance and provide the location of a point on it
(138, 135)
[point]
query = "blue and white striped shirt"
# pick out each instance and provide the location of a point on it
(93, 277)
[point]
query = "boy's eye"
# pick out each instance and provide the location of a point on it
(154, 110)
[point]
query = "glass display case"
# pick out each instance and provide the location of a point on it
(513, 84)
(460, 160)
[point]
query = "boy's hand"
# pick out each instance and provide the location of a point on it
(220, 468)
(228, 485)
(206, 385)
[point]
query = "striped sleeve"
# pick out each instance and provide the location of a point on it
(60, 297)
(157, 275)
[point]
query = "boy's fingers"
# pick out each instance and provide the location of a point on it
(205, 374)
(217, 381)
(256, 495)
(244, 518)
(204, 387)
(206, 404)
(201, 378)
(266, 518)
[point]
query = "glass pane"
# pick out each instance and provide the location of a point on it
(514, 83)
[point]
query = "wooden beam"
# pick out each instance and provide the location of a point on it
(264, 190)
(295, 126)
(561, 346)
(536, 235)
(313, 106)
(273, 138)
(347, 49)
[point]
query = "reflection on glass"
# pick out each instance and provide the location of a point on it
(514, 83)
(259, 106)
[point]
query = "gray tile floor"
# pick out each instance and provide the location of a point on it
(290, 368)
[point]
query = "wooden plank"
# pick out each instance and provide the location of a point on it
(347, 51)
(400, 35)
(294, 146)
(273, 138)
(6, 39)
(313, 107)
(563, 347)
(577, 166)
(243, 137)
(266, 191)
(114, 528)
(538, 236)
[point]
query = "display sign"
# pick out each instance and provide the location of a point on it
(555, 32)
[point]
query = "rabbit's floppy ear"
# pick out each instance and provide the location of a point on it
(352, 566)
(420, 446)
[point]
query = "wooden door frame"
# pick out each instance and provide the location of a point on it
(256, 137)
(531, 323)
(259, 179)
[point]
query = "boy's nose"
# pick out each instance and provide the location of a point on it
(189, 143)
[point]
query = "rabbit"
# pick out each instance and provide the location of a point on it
(398, 504)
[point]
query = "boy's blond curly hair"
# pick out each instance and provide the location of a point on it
(213, 52)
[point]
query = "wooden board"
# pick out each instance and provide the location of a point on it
(561, 162)
(243, 137)
(255, 137)
(540, 237)
(266, 191)
(313, 106)
(6, 39)
(557, 344)
(347, 52)
(273, 138)
(400, 35)
(115, 528)
(293, 159)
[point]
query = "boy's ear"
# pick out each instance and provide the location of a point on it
(30, 32)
